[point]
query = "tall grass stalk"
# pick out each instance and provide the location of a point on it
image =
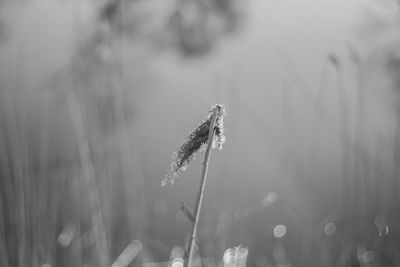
(96, 215)
(360, 168)
(286, 122)
(316, 122)
(345, 142)
(396, 158)
(199, 201)
(7, 190)
(17, 168)
(378, 171)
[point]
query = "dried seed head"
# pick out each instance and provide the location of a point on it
(196, 141)
(219, 138)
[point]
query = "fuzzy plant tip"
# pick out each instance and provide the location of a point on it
(196, 141)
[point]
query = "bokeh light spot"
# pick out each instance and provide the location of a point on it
(330, 228)
(129, 254)
(67, 234)
(381, 224)
(367, 257)
(270, 198)
(177, 262)
(364, 256)
(280, 231)
(229, 257)
(177, 252)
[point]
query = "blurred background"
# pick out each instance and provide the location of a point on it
(95, 96)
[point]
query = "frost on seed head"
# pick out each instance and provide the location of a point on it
(196, 141)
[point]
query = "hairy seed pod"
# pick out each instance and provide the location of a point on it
(196, 141)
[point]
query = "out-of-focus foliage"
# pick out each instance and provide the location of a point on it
(372, 238)
(3, 26)
(72, 188)
(192, 27)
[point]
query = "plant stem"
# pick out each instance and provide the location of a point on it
(89, 181)
(211, 133)
(348, 204)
